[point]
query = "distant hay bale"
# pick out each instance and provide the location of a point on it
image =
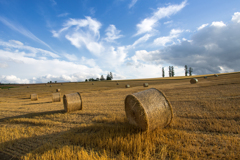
(92, 83)
(61, 84)
(58, 90)
(72, 102)
(50, 85)
(9, 88)
(56, 97)
(215, 75)
(193, 80)
(117, 83)
(148, 109)
(27, 86)
(127, 86)
(34, 97)
(45, 84)
(145, 84)
(205, 77)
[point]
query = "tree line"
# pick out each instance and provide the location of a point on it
(108, 77)
(172, 73)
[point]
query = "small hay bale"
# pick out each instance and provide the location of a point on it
(56, 97)
(194, 80)
(205, 77)
(148, 109)
(50, 85)
(58, 90)
(34, 97)
(92, 83)
(215, 75)
(117, 83)
(145, 84)
(127, 86)
(72, 102)
(61, 84)
(9, 88)
(27, 86)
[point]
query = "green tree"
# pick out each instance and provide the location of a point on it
(186, 70)
(163, 72)
(190, 71)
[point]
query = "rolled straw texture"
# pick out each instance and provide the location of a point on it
(194, 80)
(58, 90)
(148, 109)
(56, 97)
(34, 97)
(72, 102)
(127, 86)
(145, 84)
(50, 85)
(117, 83)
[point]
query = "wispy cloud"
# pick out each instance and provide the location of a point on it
(63, 15)
(142, 39)
(132, 3)
(148, 24)
(53, 2)
(162, 41)
(202, 26)
(23, 31)
(33, 51)
(112, 33)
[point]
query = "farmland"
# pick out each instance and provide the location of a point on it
(206, 121)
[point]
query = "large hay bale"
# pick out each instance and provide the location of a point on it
(127, 86)
(56, 97)
(145, 84)
(34, 97)
(58, 90)
(215, 75)
(72, 102)
(193, 80)
(148, 109)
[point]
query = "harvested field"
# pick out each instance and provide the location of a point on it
(206, 123)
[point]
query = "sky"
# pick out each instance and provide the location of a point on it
(69, 41)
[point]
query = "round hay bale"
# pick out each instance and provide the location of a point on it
(61, 84)
(50, 85)
(45, 84)
(127, 86)
(193, 80)
(72, 102)
(148, 109)
(215, 75)
(205, 77)
(9, 88)
(117, 83)
(58, 90)
(56, 97)
(34, 97)
(27, 86)
(145, 84)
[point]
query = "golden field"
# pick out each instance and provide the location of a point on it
(206, 123)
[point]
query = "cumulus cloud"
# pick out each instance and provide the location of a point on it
(12, 79)
(236, 17)
(162, 41)
(148, 24)
(212, 49)
(112, 33)
(218, 24)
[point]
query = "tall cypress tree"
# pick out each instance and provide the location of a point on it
(186, 70)
(163, 72)
(170, 71)
(190, 71)
(173, 72)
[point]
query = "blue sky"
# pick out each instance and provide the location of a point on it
(75, 40)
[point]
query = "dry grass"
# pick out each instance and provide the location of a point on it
(206, 122)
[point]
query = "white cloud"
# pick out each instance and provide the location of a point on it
(202, 26)
(53, 2)
(112, 33)
(3, 65)
(142, 39)
(148, 24)
(168, 22)
(83, 32)
(70, 57)
(162, 41)
(236, 17)
(133, 2)
(32, 51)
(63, 14)
(218, 24)
(23, 31)
(12, 79)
